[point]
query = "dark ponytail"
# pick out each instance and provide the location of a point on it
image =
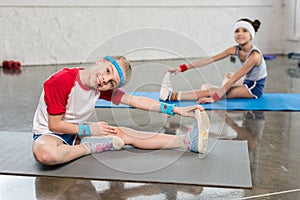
(256, 23)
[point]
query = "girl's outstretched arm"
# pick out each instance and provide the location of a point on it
(148, 104)
(204, 61)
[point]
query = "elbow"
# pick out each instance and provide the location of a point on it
(54, 123)
(52, 127)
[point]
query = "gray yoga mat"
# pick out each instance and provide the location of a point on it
(227, 164)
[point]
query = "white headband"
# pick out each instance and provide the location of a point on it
(246, 25)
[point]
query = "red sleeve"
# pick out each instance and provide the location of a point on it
(57, 89)
(114, 96)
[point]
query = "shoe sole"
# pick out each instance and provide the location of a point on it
(164, 87)
(161, 93)
(203, 130)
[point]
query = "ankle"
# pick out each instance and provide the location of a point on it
(184, 141)
(174, 96)
(88, 147)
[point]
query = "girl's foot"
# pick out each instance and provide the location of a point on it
(199, 134)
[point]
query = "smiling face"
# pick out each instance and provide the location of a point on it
(104, 76)
(108, 73)
(242, 36)
(109, 78)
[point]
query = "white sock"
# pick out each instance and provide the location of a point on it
(178, 96)
(184, 141)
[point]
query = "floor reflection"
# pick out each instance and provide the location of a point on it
(247, 125)
(293, 72)
(62, 188)
(12, 71)
(225, 125)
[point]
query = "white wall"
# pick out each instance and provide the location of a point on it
(291, 26)
(65, 31)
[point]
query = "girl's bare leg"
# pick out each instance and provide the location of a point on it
(210, 89)
(195, 140)
(148, 140)
(239, 92)
(197, 94)
(50, 150)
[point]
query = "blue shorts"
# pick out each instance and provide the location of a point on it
(256, 88)
(69, 139)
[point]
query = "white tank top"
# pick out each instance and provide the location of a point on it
(257, 72)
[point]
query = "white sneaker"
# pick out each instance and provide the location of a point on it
(199, 134)
(166, 88)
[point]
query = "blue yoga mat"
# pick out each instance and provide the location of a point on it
(268, 102)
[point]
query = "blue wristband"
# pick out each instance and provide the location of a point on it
(84, 130)
(167, 108)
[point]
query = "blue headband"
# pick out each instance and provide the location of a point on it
(114, 62)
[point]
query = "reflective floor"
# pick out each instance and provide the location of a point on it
(273, 137)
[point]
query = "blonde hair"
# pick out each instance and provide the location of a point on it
(127, 67)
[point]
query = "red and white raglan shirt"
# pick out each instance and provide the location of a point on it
(64, 94)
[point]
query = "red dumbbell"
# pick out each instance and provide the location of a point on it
(5, 63)
(11, 64)
(16, 65)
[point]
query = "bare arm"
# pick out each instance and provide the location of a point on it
(205, 61)
(208, 60)
(145, 103)
(57, 125)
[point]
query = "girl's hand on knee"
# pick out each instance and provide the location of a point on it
(102, 128)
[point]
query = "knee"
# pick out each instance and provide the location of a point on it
(45, 154)
(228, 75)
